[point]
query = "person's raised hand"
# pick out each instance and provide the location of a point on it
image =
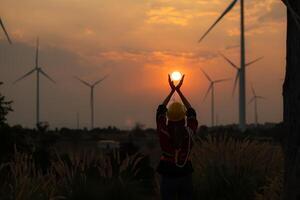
(180, 83)
(171, 83)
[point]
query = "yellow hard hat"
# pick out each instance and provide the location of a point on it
(176, 111)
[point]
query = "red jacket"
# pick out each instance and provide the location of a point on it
(165, 138)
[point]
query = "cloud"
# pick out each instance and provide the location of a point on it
(261, 17)
(157, 57)
(274, 14)
(168, 15)
(265, 17)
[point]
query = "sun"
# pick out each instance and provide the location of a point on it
(176, 76)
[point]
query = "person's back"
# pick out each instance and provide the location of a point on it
(176, 126)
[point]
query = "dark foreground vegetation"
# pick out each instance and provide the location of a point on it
(228, 164)
(43, 164)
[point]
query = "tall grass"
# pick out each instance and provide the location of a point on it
(272, 190)
(78, 175)
(21, 180)
(231, 169)
(226, 168)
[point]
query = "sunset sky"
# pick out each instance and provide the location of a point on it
(137, 42)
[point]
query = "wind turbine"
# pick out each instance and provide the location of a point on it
(242, 88)
(212, 89)
(92, 87)
(77, 120)
(38, 71)
(254, 99)
(5, 32)
(238, 69)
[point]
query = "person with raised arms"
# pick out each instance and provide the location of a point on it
(176, 125)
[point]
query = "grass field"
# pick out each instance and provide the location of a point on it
(226, 167)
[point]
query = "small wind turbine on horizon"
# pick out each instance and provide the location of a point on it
(242, 83)
(38, 71)
(5, 32)
(92, 87)
(238, 69)
(77, 121)
(254, 99)
(212, 89)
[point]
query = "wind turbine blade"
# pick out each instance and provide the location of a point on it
(222, 80)
(294, 14)
(251, 100)
(219, 19)
(37, 53)
(209, 88)
(236, 81)
(5, 32)
(254, 61)
(84, 82)
(229, 61)
(25, 75)
(206, 75)
(47, 76)
(97, 82)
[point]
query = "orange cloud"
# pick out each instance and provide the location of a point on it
(168, 15)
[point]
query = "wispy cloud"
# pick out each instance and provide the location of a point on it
(168, 15)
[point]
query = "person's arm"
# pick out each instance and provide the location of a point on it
(173, 89)
(161, 118)
(190, 113)
(166, 101)
(192, 121)
(182, 97)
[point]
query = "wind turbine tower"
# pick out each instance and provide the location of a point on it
(38, 71)
(211, 89)
(92, 87)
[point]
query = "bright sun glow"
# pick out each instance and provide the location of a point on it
(176, 76)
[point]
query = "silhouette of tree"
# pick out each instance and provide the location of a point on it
(5, 108)
(291, 99)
